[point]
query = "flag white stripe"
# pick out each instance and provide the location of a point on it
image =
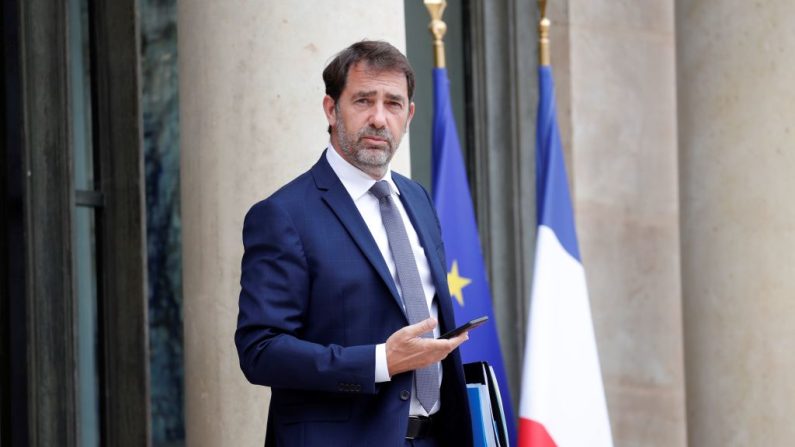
(562, 381)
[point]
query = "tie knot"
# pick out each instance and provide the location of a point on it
(381, 189)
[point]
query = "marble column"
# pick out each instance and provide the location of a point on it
(251, 120)
(620, 81)
(735, 64)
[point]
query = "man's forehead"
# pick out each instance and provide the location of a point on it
(363, 77)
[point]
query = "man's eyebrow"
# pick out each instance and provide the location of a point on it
(371, 93)
(365, 94)
(395, 97)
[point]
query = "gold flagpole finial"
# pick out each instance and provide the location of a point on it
(437, 28)
(543, 34)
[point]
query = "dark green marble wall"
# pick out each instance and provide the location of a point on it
(160, 104)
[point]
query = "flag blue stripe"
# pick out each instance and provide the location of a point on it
(462, 243)
(553, 200)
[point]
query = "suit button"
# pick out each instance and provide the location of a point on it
(404, 395)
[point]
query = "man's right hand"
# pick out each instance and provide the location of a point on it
(407, 350)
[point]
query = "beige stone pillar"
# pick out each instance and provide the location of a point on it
(623, 162)
(736, 61)
(251, 119)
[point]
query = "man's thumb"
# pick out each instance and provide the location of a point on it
(424, 326)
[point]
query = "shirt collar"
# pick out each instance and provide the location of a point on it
(355, 181)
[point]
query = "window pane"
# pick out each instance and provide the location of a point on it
(86, 286)
(80, 84)
(84, 230)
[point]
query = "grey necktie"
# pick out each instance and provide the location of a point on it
(427, 379)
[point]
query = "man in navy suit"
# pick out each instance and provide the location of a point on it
(323, 317)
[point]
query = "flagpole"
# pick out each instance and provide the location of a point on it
(543, 35)
(437, 28)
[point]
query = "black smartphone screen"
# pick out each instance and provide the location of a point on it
(471, 324)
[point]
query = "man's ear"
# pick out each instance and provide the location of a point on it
(411, 115)
(328, 109)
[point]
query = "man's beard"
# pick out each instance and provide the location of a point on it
(372, 159)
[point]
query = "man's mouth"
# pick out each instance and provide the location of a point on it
(373, 140)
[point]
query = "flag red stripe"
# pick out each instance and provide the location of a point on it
(533, 434)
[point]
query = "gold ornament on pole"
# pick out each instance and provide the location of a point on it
(437, 28)
(543, 34)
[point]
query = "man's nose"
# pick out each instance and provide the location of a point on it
(378, 116)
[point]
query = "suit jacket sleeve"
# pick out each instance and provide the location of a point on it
(274, 298)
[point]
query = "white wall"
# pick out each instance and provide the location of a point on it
(251, 120)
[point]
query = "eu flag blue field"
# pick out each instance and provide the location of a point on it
(466, 275)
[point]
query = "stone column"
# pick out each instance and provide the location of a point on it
(623, 168)
(735, 62)
(251, 120)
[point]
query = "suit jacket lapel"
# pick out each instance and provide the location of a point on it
(341, 204)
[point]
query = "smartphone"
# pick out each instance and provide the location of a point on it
(469, 325)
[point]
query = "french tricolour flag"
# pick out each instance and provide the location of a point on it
(563, 401)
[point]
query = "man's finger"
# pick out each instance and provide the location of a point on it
(424, 326)
(460, 338)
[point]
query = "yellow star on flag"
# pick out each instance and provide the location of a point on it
(456, 283)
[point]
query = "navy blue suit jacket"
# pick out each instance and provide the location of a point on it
(316, 297)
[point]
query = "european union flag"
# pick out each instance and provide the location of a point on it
(466, 275)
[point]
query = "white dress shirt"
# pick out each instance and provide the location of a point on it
(358, 185)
